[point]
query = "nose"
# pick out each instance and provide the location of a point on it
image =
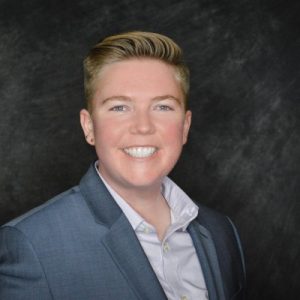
(142, 123)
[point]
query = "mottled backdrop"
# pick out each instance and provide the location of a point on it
(243, 154)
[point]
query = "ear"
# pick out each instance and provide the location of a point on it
(87, 126)
(186, 126)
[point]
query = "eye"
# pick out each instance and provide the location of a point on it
(163, 107)
(119, 108)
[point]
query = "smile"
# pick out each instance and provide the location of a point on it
(140, 152)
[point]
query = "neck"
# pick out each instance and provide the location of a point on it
(151, 206)
(156, 212)
(143, 200)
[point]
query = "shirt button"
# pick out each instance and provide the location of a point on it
(183, 298)
(146, 230)
(166, 247)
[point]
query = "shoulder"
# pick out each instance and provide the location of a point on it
(221, 228)
(219, 225)
(64, 222)
(57, 217)
(50, 208)
(209, 217)
(224, 234)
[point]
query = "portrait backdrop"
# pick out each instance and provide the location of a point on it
(242, 157)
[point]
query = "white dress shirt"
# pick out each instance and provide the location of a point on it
(174, 260)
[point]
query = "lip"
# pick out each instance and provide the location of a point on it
(140, 152)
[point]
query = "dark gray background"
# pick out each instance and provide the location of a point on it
(243, 153)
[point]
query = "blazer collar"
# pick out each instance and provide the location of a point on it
(120, 240)
(105, 210)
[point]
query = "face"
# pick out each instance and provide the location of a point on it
(138, 124)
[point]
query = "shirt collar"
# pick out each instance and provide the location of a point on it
(183, 209)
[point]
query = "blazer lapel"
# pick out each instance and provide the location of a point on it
(120, 240)
(126, 251)
(207, 255)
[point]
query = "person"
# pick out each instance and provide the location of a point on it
(127, 231)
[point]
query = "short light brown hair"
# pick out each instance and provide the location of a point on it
(135, 44)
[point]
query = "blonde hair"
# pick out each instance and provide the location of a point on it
(135, 44)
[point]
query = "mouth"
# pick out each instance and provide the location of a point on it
(140, 152)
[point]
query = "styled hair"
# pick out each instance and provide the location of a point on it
(135, 44)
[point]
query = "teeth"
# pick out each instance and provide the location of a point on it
(140, 152)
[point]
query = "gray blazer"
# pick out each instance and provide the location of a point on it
(80, 246)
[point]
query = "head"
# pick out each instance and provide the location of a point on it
(136, 86)
(136, 44)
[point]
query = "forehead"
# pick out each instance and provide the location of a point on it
(138, 77)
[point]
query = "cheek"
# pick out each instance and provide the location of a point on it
(104, 129)
(104, 134)
(174, 133)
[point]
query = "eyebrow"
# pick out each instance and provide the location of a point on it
(125, 98)
(116, 98)
(167, 97)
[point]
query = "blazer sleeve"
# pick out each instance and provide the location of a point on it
(21, 274)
